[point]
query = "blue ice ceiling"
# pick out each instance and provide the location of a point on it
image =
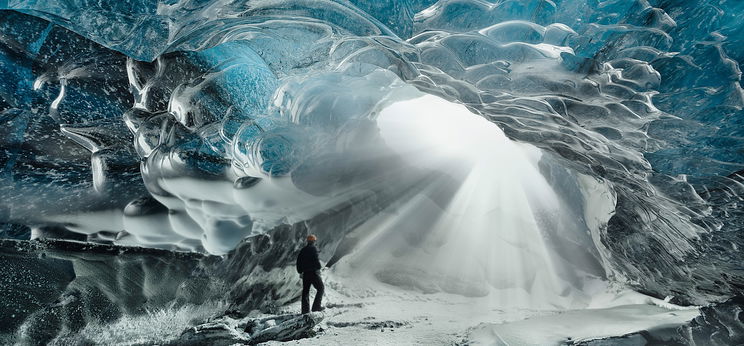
(148, 107)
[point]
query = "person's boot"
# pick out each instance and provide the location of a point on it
(317, 304)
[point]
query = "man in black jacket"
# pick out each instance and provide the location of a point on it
(308, 265)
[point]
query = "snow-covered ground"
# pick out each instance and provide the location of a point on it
(365, 312)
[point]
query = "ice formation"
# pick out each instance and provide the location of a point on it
(568, 138)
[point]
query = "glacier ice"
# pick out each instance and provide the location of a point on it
(193, 124)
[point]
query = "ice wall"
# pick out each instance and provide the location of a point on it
(236, 113)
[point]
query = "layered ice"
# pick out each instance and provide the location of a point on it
(191, 125)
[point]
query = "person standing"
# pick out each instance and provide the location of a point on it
(308, 265)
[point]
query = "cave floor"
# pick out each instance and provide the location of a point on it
(366, 312)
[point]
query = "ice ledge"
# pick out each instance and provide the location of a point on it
(586, 327)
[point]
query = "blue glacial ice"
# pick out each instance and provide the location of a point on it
(193, 124)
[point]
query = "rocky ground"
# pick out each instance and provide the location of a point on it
(226, 330)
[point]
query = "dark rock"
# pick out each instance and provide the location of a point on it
(228, 331)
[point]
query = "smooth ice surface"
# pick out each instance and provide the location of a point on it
(582, 325)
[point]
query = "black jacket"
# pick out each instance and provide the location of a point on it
(307, 260)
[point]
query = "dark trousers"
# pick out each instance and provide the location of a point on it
(311, 278)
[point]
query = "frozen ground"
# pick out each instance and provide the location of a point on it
(361, 310)
(366, 312)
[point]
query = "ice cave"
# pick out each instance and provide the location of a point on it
(472, 172)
